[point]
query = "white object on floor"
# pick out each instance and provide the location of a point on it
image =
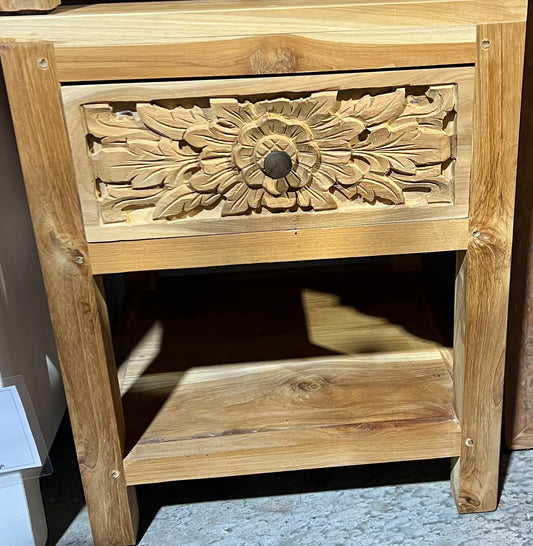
(22, 520)
(18, 449)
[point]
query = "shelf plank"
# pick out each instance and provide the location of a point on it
(370, 383)
(293, 450)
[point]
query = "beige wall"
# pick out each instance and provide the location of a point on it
(26, 341)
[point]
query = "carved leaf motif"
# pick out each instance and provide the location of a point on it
(374, 187)
(283, 107)
(232, 112)
(427, 177)
(255, 198)
(126, 192)
(344, 174)
(319, 199)
(144, 163)
(103, 122)
(403, 146)
(183, 199)
(280, 203)
(322, 104)
(181, 161)
(329, 134)
(219, 181)
(376, 109)
(236, 201)
(114, 208)
(214, 134)
(170, 123)
(432, 107)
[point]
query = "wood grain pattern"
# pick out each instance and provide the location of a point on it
(279, 246)
(35, 104)
(483, 300)
(260, 55)
(372, 386)
(156, 22)
(290, 450)
(132, 41)
(389, 156)
(330, 392)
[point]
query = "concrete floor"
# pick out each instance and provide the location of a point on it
(392, 504)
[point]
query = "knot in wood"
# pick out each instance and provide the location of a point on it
(310, 384)
(269, 59)
(469, 504)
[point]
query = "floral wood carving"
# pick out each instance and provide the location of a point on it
(181, 161)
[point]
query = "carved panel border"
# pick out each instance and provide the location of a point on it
(181, 160)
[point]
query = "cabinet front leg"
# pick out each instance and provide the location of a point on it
(482, 284)
(77, 310)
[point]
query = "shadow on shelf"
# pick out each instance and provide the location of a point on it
(189, 322)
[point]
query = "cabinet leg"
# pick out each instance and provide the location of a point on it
(76, 306)
(482, 283)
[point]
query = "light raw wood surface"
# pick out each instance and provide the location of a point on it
(264, 55)
(402, 171)
(28, 5)
(279, 246)
(93, 42)
(219, 160)
(36, 110)
(483, 295)
(157, 22)
(290, 450)
(371, 386)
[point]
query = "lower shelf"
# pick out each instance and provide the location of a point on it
(372, 382)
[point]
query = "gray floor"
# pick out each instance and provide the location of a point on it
(404, 503)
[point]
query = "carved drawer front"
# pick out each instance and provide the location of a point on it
(188, 158)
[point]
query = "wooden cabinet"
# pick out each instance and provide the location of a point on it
(153, 137)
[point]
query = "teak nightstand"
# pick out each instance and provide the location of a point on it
(191, 134)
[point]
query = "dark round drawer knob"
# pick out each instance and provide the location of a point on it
(277, 164)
